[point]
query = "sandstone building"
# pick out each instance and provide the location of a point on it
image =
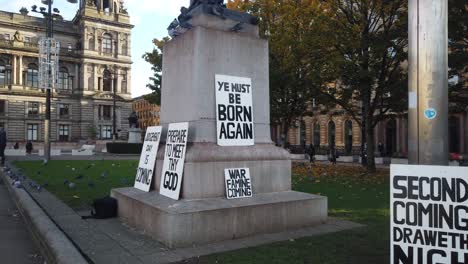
(95, 49)
(148, 114)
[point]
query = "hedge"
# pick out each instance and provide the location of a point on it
(124, 148)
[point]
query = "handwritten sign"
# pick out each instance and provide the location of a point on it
(174, 158)
(429, 214)
(145, 169)
(238, 183)
(234, 111)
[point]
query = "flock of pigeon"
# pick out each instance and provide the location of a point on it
(19, 179)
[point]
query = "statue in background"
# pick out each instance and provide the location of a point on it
(133, 120)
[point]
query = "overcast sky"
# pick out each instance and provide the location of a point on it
(150, 17)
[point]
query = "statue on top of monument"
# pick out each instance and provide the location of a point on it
(133, 120)
(212, 7)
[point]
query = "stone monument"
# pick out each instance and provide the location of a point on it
(134, 132)
(210, 40)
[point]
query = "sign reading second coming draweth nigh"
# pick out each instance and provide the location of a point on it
(234, 111)
(429, 215)
(145, 169)
(174, 158)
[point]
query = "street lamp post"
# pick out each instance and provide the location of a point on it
(49, 34)
(114, 121)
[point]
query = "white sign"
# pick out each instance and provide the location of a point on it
(174, 158)
(145, 169)
(429, 214)
(234, 111)
(238, 183)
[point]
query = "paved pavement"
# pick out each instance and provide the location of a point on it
(16, 243)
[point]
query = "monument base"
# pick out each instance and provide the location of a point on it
(185, 223)
(134, 135)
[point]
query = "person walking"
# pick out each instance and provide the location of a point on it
(29, 147)
(332, 153)
(3, 143)
(311, 153)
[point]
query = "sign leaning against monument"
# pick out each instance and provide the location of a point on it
(429, 214)
(145, 169)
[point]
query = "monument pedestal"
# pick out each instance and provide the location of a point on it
(134, 135)
(186, 223)
(203, 215)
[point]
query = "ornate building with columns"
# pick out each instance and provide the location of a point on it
(324, 128)
(95, 59)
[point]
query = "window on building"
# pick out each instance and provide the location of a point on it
(33, 109)
(106, 132)
(125, 48)
(32, 76)
(64, 133)
(32, 132)
(317, 134)
(105, 113)
(5, 74)
(27, 39)
(6, 36)
(107, 44)
(64, 110)
(331, 133)
(124, 84)
(70, 47)
(348, 137)
(63, 78)
(91, 44)
(2, 107)
(107, 81)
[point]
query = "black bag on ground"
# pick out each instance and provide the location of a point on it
(103, 208)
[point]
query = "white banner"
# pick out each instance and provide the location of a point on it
(174, 158)
(238, 183)
(429, 214)
(234, 111)
(145, 169)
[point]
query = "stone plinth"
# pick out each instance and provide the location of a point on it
(203, 214)
(134, 135)
(189, 222)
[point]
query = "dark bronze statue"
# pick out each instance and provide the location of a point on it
(133, 120)
(211, 7)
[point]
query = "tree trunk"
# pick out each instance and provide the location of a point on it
(370, 146)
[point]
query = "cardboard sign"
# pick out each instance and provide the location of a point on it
(234, 111)
(238, 183)
(429, 214)
(174, 158)
(145, 169)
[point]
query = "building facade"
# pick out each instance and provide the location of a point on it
(94, 57)
(339, 129)
(148, 114)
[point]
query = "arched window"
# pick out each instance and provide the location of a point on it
(107, 78)
(32, 79)
(317, 134)
(331, 133)
(63, 82)
(390, 136)
(302, 134)
(454, 134)
(107, 44)
(348, 137)
(91, 43)
(124, 84)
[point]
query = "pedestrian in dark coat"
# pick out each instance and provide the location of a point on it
(311, 153)
(3, 143)
(29, 147)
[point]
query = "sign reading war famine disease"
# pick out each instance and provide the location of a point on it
(145, 169)
(234, 111)
(429, 215)
(174, 157)
(238, 183)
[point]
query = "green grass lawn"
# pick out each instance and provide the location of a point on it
(93, 179)
(351, 195)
